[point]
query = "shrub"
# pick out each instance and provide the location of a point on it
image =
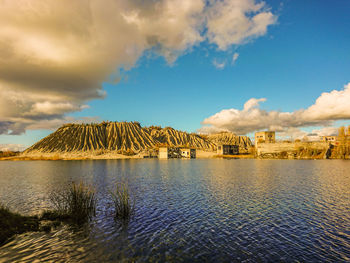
(77, 202)
(283, 155)
(123, 203)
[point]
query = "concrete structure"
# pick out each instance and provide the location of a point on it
(290, 150)
(330, 139)
(163, 153)
(151, 153)
(225, 149)
(265, 137)
(169, 152)
(188, 153)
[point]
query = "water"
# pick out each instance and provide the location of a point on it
(190, 210)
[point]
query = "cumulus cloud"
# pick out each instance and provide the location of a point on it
(328, 107)
(314, 135)
(12, 147)
(236, 22)
(54, 55)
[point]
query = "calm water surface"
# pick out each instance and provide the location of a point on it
(190, 210)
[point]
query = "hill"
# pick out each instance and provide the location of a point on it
(126, 138)
(244, 142)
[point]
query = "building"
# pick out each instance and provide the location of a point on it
(169, 152)
(330, 139)
(188, 153)
(225, 149)
(265, 137)
(163, 153)
(150, 153)
(284, 150)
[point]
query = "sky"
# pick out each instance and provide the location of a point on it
(198, 66)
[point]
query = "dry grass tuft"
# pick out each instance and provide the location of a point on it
(77, 202)
(124, 204)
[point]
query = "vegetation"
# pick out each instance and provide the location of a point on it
(154, 127)
(123, 203)
(76, 203)
(128, 152)
(13, 223)
(283, 155)
(342, 150)
(8, 153)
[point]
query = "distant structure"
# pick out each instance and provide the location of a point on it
(330, 139)
(151, 153)
(225, 149)
(265, 137)
(169, 152)
(295, 150)
(188, 153)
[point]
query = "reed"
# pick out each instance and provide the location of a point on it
(124, 204)
(77, 202)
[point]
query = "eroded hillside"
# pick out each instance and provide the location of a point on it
(127, 137)
(172, 137)
(244, 142)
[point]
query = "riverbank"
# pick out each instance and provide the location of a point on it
(13, 223)
(124, 157)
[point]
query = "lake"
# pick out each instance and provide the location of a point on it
(201, 210)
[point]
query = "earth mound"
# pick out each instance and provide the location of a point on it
(127, 138)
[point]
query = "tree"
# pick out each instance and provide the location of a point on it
(342, 149)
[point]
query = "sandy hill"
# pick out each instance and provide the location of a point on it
(126, 137)
(172, 137)
(93, 137)
(244, 142)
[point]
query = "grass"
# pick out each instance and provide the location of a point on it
(13, 223)
(123, 203)
(76, 203)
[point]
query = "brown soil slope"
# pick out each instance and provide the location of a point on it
(171, 137)
(244, 142)
(126, 136)
(93, 137)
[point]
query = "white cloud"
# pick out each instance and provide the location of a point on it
(12, 147)
(314, 135)
(53, 124)
(51, 108)
(236, 22)
(235, 57)
(54, 55)
(219, 64)
(328, 108)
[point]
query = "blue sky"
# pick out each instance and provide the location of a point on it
(306, 53)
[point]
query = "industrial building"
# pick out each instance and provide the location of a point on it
(226, 149)
(265, 137)
(188, 153)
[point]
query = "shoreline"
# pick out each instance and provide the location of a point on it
(124, 157)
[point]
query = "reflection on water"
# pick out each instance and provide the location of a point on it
(198, 210)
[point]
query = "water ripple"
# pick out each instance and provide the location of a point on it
(198, 211)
